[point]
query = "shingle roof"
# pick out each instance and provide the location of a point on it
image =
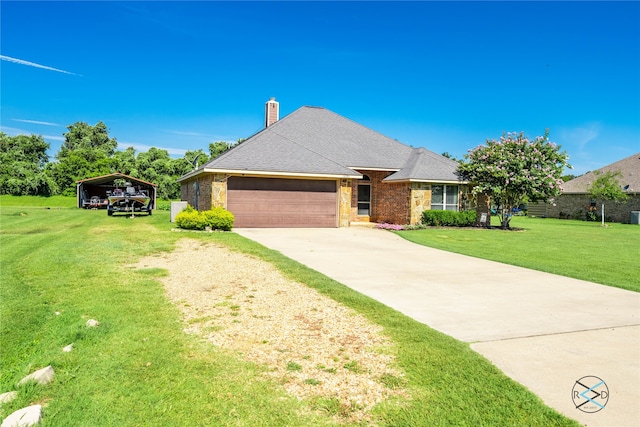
(109, 178)
(425, 165)
(629, 168)
(314, 140)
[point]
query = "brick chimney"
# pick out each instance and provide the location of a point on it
(271, 112)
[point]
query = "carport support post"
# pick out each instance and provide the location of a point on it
(78, 198)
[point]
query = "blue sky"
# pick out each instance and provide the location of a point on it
(440, 75)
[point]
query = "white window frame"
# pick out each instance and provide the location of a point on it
(444, 206)
(366, 182)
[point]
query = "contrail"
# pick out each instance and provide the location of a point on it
(35, 122)
(33, 64)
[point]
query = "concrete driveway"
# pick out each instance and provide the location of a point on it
(543, 330)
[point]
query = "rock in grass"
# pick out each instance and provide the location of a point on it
(8, 396)
(91, 323)
(29, 416)
(42, 376)
(67, 349)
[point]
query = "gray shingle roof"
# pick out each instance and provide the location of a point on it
(314, 140)
(425, 165)
(629, 168)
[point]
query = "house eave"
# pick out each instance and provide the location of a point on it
(431, 181)
(355, 168)
(278, 174)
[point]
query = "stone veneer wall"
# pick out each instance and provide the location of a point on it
(420, 201)
(219, 191)
(576, 206)
(344, 209)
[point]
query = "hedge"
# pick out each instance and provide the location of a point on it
(450, 218)
(216, 218)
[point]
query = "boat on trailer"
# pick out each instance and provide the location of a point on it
(129, 200)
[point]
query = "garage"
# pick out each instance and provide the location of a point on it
(277, 202)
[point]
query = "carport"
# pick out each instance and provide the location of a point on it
(92, 192)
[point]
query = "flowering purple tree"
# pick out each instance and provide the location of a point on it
(514, 169)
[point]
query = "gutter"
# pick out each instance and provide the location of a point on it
(236, 172)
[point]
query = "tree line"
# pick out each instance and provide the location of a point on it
(89, 151)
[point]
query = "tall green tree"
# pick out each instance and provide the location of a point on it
(125, 162)
(86, 152)
(191, 160)
(513, 169)
(219, 147)
(606, 187)
(94, 140)
(23, 159)
(158, 167)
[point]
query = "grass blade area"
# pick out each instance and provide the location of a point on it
(138, 368)
(578, 249)
(33, 201)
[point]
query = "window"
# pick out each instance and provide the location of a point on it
(444, 197)
(364, 197)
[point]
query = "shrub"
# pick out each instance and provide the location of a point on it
(449, 218)
(219, 219)
(189, 219)
(216, 218)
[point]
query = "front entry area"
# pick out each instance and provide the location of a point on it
(278, 202)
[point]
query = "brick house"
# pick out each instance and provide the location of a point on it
(315, 168)
(575, 201)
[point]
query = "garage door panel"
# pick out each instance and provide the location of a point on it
(264, 202)
(278, 184)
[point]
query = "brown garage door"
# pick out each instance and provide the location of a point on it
(276, 202)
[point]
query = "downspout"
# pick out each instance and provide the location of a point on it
(197, 183)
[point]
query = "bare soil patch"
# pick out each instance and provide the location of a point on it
(314, 346)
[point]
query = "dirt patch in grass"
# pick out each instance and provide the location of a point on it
(316, 348)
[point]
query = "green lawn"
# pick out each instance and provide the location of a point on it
(579, 249)
(33, 201)
(140, 369)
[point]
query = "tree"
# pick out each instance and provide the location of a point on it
(607, 187)
(158, 167)
(86, 152)
(219, 147)
(93, 139)
(125, 162)
(513, 168)
(191, 160)
(23, 160)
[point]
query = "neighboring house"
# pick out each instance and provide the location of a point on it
(575, 201)
(315, 168)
